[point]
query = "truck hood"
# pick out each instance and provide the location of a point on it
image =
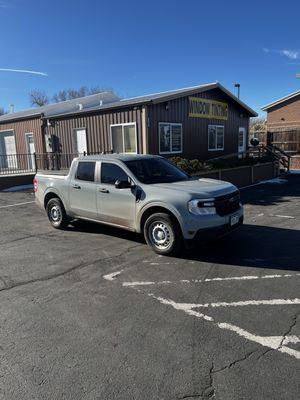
(203, 187)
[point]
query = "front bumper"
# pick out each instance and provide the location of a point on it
(210, 225)
(218, 231)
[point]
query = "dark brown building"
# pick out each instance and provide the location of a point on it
(202, 122)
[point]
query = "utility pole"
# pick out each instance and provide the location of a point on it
(238, 86)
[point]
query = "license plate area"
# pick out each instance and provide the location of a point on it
(234, 219)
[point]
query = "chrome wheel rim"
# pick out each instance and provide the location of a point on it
(161, 235)
(55, 214)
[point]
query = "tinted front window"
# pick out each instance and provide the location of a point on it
(110, 173)
(156, 170)
(86, 171)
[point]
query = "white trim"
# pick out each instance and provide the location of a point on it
(242, 150)
(217, 126)
(75, 144)
(28, 150)
(122, 125)
(171, 138)
(281, 100)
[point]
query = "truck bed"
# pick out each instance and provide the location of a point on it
(61, 172)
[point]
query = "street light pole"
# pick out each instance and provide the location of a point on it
(237, 85)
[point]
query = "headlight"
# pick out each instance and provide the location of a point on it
(202, 207)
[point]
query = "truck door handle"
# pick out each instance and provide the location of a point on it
(103, 190)
(76, 186)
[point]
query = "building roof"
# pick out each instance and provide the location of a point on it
(281, 100)
(109, 102)
(63, 107)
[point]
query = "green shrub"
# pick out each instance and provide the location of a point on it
(196, 166)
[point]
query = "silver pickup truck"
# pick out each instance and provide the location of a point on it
(141, 193)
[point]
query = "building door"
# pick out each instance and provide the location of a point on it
(242, 140)
(79, 137)
(30, 150)
(8, 150)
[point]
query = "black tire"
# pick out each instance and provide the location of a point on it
(56, 214)
(163, 234)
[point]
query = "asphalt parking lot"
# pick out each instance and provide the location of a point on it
(93, 313)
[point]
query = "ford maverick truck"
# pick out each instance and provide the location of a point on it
(142, 193)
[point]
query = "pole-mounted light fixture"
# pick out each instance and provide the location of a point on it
(238, 86)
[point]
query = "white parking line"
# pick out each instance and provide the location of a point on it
(17, 204)
(273, 342)
(229, 278)
(112, 276)
(272, 302)
(284, 216)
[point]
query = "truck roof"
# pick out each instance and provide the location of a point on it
(117, 156)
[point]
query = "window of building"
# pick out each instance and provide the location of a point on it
(110, 173)
(123, 138)
(170, 138)
(215, 137)
(86, 171)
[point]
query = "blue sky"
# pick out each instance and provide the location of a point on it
(138, 47)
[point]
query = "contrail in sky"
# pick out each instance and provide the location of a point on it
(24, 71)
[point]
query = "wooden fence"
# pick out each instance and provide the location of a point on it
(286, 140)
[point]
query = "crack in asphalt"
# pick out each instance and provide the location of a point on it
(27, 237)
(233, 363)
(66, 272)
(284, 336)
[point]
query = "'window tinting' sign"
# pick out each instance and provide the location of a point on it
(203, 108)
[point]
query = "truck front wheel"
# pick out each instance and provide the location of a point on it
(163, 234)
(57, 214)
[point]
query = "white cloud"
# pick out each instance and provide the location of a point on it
(291, 54)
(24, 71)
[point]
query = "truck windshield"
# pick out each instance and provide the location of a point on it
(156, 170)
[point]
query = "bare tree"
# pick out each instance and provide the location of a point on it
(257, 124)
(38, 98)
(69, 94)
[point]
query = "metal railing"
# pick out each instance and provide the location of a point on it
(13, 164)
(20, 164)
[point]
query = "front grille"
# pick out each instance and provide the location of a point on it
(227, 204)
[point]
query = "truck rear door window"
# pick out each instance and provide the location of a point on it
(86, 171)
(110, 173)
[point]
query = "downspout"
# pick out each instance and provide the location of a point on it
(145, 130)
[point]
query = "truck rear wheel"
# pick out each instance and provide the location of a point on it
(163, 234)
(57, 214)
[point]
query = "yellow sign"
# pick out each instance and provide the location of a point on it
(204, 108)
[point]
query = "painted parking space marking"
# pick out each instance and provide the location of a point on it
(113, 275)
(193, 281)
(272, 302)
(277, 343)
(273, 342)
(17, 204)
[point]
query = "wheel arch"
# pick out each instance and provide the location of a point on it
(52, 194)
(157, 208)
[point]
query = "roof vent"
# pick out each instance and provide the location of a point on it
(11, 108)
(101, 103)
(80, 106)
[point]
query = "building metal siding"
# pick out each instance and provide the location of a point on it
(20, 128)
(97, 129)
(147, 118)
(195, 130)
